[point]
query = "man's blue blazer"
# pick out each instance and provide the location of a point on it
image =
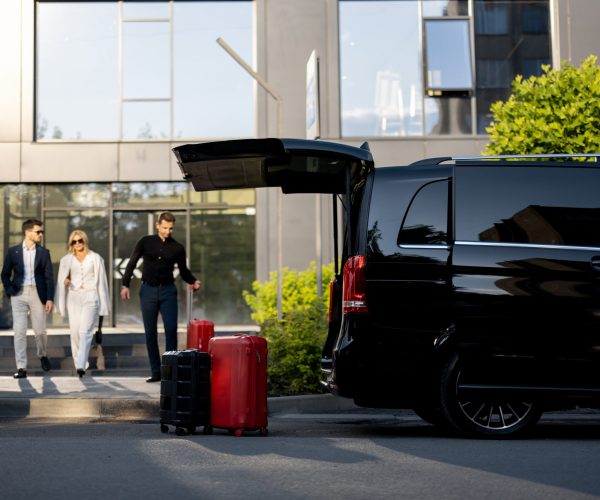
(13, 272)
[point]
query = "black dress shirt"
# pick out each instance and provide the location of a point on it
(160, 258)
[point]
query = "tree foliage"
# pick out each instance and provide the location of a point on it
(556, 112)
(295, 342)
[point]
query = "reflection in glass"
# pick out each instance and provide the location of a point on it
(549, 226)
(436, 8)
(145, 10)
(59, 224)
(146, 120)
(76, 195)
(447, 115)
(146, 65)
(213, 95)
(149, 193)
(510, 38)
(448, 49)
(426, 220)
(226, 270)
(527, 215)
(381, 83)
(77, 67)
(232, 197)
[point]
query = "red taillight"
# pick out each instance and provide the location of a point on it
(354, 288)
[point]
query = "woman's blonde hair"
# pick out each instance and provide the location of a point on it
(78, 233)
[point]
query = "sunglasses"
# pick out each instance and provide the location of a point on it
(75, 242)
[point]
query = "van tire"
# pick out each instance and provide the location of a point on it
(493, 418)
(431, 414)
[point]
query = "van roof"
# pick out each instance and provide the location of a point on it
(558, 159)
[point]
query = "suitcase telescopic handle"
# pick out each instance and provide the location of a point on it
(190, 304)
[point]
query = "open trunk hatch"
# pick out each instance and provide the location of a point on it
(294, 165)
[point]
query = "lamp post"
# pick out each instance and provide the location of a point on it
(279, 100)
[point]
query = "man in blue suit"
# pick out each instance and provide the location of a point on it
(28, 281)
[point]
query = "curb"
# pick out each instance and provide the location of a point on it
(137, 409)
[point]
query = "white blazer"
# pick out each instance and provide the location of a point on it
(60, 297)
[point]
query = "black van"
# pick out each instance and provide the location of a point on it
(470, 287)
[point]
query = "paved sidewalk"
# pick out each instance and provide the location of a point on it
(122, 398)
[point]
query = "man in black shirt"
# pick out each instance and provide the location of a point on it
(158, 292)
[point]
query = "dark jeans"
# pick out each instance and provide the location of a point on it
(155, 299)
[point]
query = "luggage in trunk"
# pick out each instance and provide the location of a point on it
(185, 391)
(239, 383)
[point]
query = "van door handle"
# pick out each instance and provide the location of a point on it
(596, 263)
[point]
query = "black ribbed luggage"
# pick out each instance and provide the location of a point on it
(185, 391)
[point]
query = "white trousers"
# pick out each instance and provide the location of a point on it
(83, 307)
(28, 303)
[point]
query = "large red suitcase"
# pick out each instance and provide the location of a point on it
(238, 383)
(199, 332)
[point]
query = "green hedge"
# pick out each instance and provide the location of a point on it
(556, 112)
(295, 342)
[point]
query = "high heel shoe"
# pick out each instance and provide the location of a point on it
(80, 372)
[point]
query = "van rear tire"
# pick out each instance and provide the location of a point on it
(482, 416)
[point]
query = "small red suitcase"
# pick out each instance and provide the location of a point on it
(239, 383)
(199, 332)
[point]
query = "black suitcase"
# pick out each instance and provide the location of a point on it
(185, 391)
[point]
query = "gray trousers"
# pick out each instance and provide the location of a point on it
(28, 303)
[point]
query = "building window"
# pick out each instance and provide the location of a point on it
(448, 57)
(511, 38)
(116, 215)
(406, 66)
(143, 70)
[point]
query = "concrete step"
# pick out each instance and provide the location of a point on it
(122, 352)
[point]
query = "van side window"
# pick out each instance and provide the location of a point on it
(537, 205)
(426, 220)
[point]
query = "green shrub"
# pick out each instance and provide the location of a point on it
(295, 342)
(557, 112)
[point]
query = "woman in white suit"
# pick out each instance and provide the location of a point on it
(82, 295)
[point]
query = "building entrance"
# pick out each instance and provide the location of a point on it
(128, 228)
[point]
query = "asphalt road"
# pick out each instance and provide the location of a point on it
(355, 456)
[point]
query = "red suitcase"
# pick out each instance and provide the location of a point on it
(239, 383)
(199, 332)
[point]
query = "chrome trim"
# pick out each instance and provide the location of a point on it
(501, 157)
(425, 247)
(525, 245)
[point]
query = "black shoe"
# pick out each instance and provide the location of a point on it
(20, 373)
(80, 372)
(153, 378)
(45, 363)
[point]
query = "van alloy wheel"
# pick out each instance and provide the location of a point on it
(494, 418)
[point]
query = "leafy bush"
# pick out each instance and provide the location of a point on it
(557, 112)
(295, 342)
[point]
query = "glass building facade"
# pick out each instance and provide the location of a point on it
(217, 230)
(142, 70)
(440, 66)
(102, 90)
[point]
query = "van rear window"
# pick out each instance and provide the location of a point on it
(538, 205)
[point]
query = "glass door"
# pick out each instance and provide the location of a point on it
(128, 228)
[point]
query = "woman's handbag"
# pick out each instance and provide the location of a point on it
(98, 334)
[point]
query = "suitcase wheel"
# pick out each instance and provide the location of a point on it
(207, 430)
(263, 431)
(164, 428)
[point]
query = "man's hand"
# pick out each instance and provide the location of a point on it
(48, 306)
(125, 295)
(194, 286)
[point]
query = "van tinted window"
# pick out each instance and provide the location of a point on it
(543, 205)
(426, 221)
